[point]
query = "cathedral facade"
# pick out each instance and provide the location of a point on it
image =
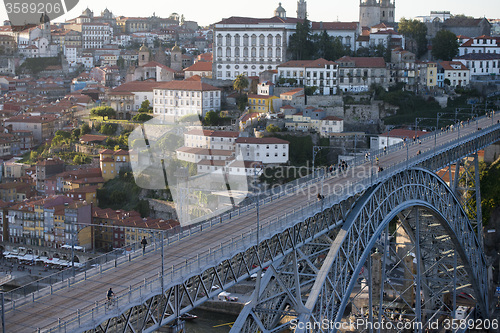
(373, 12)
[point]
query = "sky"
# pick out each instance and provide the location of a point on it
(206, 12)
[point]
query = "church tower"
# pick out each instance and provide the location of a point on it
(280, 11)
(45, 27)
(176, 58)
(143, 55)
(301, 9)
(369, 13)
(387, 11)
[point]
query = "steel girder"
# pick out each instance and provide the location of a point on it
(269, 250)
(319, 284)
(161, 308)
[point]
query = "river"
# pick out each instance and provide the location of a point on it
(209, 322)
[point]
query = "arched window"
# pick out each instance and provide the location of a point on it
(254, 40)
(269, 52)
(219, 39)
(245, 40)
(245, 52)
(228, 51)
(237, 52)
(269, 40)
(261, 40)
(278, 52)
(383, 13)
(261, 52)
(278, 39)
(236, 40)
(254, 52)
(219, 52)
(228, 40)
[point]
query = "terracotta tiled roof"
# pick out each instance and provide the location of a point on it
(157, 64)
(212, 162)
(204, 151)
(200, 66)
(210, 133)
(134, 86)
(266, 140)
(186, 85)
(293, 91)
(250, 20)
(364, 62)
(334, 25)
(447, 65)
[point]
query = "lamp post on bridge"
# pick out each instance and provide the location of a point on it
(256, 198)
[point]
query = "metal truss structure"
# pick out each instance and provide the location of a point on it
(313, 268)
(400, 246)
(434, 248)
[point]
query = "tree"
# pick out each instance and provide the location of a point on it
(142, 117)
(242, 102)
(75, 134)
(120, 62)
(300, 46)
(85, 129)
(323, 44)
(212, 118)
(189, 118)
(445, 45)
(272, 128)
(103, 111)
(81, 159)
(416, 32)
(108, 129)
(146, 107)
(240, 83)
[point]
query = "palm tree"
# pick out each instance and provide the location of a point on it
(240, 83)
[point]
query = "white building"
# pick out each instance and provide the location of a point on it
(455, 71)
(268, 150)
(175, 99)
(195, 155)
(249, 46)
(96, 35)
(481, 64)
(435, 16)
(393, 137)
(357, 74)
(245, 45)
(233, 167)
(482, 44)
(331, 124)
(320, 73)
(208, 139)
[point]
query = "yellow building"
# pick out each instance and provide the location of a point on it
(85, 193)
(431, 74)
(111, 162)
(261, 103)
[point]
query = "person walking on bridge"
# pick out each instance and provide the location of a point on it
(144, 242)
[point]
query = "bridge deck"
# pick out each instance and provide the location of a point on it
(44, 313)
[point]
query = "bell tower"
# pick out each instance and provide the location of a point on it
(301, 9)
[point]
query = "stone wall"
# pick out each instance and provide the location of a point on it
(161, 209)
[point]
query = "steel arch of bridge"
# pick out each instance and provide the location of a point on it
(323, 291)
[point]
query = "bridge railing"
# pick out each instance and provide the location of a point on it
(66, 278)
(268, 227)
(245, 240)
